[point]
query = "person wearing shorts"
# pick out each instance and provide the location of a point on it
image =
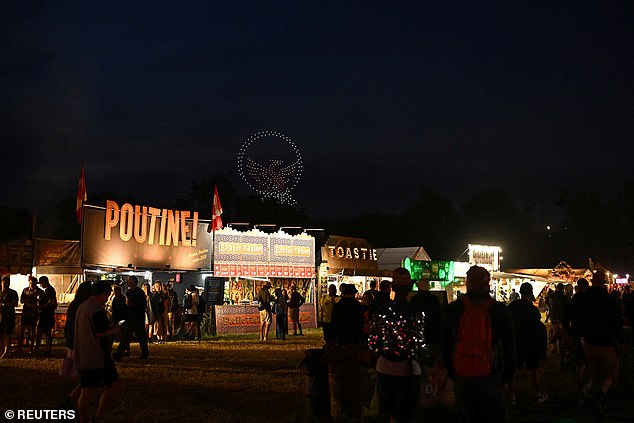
(92, 348)
(264, 305)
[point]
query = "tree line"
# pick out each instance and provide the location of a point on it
(596, 225)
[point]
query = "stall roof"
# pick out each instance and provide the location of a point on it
(546, 273)
(390, 258)
(362, 272)
(505, 275)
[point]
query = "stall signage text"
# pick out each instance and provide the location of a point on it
(485, 256)
(240, 248)
(149, 225)
(292, 250)
(352, 253)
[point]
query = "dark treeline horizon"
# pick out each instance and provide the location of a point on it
(591, 225)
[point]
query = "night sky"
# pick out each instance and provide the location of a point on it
(379, 97)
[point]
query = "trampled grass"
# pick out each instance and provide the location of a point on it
(239, 379)
(224, 379)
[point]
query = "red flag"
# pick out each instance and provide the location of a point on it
(81, 195)
(216, 220)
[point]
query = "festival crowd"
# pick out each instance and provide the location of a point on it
(480, 344)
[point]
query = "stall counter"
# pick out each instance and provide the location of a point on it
(246, 319)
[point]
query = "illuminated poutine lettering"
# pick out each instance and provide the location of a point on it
(163, 226)
(126, 223)
(154, 213)
(173, 227)
(140, 223)
(112, 218)
(185, 228)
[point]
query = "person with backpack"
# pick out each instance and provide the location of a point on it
(264, 306)
(397, 335)
(477, 336)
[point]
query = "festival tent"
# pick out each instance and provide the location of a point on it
(391, 258)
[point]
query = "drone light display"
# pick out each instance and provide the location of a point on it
(270, 164)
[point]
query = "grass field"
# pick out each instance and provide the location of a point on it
(238, 379)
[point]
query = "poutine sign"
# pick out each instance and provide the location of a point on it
(144, 237)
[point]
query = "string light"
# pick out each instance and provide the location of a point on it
(275, 179)
(398, 334)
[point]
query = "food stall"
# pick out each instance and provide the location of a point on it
(60, 262)
(440, 275)
(16, 260)
(351, 261)
(549, 278)
(250, 259)
(389, 259)
(150, 243)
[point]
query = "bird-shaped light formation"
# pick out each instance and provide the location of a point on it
(272, 177)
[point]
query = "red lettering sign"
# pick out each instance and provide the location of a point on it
(261, 270)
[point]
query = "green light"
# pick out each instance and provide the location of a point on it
(442, 271)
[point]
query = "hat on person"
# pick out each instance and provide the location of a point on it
(526, 288)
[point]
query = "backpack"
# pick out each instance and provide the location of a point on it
(201, 305)
(187, 302)
(173, 302)
(157, 304)
(474, 354)
(264, 300)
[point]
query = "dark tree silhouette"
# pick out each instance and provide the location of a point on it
(593, 224)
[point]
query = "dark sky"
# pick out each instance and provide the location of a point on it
(379, 97)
